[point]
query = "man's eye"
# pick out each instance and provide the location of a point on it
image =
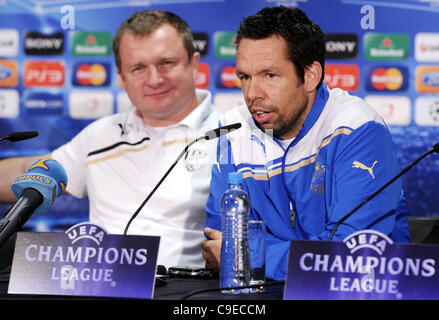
(136, 69)
(167, 63)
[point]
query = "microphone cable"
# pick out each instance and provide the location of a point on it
(267, 284)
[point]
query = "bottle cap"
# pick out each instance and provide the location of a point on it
(235, 177)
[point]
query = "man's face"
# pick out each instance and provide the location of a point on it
(272, 91)
(157, 75)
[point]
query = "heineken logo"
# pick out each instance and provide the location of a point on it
(383, 46)
(86, 43)
(224, 45)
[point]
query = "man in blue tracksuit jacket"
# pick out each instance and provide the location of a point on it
(308, 155)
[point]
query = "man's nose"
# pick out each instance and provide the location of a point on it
(154, 77)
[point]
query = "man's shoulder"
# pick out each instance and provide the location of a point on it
(346, 110)
(109, 122)
(238, 114)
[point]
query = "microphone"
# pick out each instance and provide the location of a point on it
(209, 135)
(36, 190)
(215, 133)
(18, 136)
(435, 149)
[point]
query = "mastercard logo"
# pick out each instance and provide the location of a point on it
(388, 79)
(91, 74)
(229, 78)
(94, 74)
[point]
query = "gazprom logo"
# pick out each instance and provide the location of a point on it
(371, 239)
(86, 230)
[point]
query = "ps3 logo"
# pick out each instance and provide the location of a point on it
(343, 76)
(43, 73)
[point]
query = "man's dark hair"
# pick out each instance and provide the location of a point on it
(146, 22)
(305, 40)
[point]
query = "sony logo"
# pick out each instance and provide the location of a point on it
(341, 46)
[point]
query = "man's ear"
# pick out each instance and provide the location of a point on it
(195, 62)
(312, 76)
(121, 78)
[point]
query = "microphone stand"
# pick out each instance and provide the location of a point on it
(209, 135)
(434, 149)
(160, 182)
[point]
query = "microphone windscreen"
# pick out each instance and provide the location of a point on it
(436, 147)
(216, 133)
(18, 136)
(47, 176)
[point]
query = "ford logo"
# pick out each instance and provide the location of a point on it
(431, 79)
(5, 72)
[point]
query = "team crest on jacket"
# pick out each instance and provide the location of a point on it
(195, 159)
(318, 178)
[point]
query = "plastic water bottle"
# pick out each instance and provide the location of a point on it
(235, 258)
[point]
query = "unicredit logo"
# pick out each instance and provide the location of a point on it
(429, 47)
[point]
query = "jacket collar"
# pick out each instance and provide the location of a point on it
(322, 96)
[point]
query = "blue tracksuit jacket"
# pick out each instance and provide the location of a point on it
(342, 154)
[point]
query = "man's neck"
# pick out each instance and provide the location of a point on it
(164, 119)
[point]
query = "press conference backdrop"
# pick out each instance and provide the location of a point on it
(57, 73)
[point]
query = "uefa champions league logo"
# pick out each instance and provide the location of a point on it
(69, 274)
(86, 231)
(84, 261)
(85, 258)
(371, 239)
(366, 265)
